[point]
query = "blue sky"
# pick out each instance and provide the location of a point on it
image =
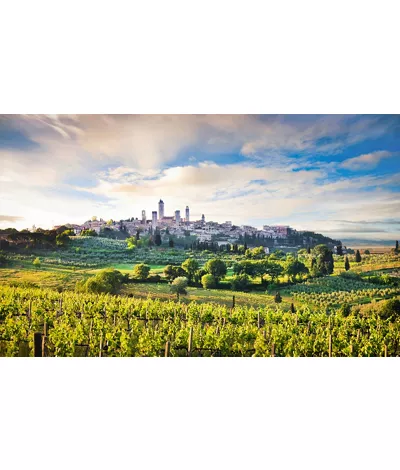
(338, 175)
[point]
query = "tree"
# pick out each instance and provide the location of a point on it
(246, 267)
(190, 266)
(88, 233)
(324, 264)
(171, 243)
(339, 250)
(389, 309)
(277, 298)
(292, 309)
(157, 239)
(358, 256)
(217, 268)
(397, 246)
(273, 270)
(111, 279)
(62, 238)
(367, 252)
(255, 253)
(208, 281)
(179, 286)
(36, 263)
(308, 250)
(141, 271)
(240, 282)
(294, 267)
(107, 281)
(172, 272)
(346, 264)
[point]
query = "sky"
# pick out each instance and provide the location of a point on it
(334, 174)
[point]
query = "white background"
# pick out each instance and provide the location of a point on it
(197, 57)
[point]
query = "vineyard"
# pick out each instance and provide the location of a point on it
(334, 291)
(42, 322)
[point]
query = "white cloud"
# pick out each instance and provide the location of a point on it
(366, 161)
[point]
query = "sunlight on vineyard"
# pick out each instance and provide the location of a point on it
(71, 324)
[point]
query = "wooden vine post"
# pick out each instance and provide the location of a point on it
(60, 310)
(101, 344)
(167, 348)
(330, 346)
(385, 350)
(273, 350)
(233, 301)
(190, 342)
(37, 345)
(258, 320)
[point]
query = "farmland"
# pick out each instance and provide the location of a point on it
(345, 313)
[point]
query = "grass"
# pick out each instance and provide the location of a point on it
(220, 296)
(55, 276)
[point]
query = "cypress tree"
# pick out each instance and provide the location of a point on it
(346, 264)
(292, 309)
(358, 256)
(397, 246)
(339, 250)
(331, 263)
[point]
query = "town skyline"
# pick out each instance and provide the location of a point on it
(335, 175)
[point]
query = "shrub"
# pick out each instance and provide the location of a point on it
(389, 308)
(108, 281)
(208, 281)
(217, 268)
(141, 271)
(350, 275)
(179, 286)
(172, 272)
(278, 298)
(240, 282)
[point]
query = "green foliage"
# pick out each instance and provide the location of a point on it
(141, 271)
(255, 253)
(208, 281)
(294, 268)
(3, 260)
(217, 268)
(190, 266)
(277, 255)
(36, 262)
(240, 282)
(63, 238)
(390, 309)
(88, 233)
(157, 239)
(117, 323)
(172, 272)
(323, 264)
(179, 286)
(107, 281)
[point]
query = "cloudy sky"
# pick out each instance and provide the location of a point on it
(338, 175)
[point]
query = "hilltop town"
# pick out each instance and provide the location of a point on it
(204, 231)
